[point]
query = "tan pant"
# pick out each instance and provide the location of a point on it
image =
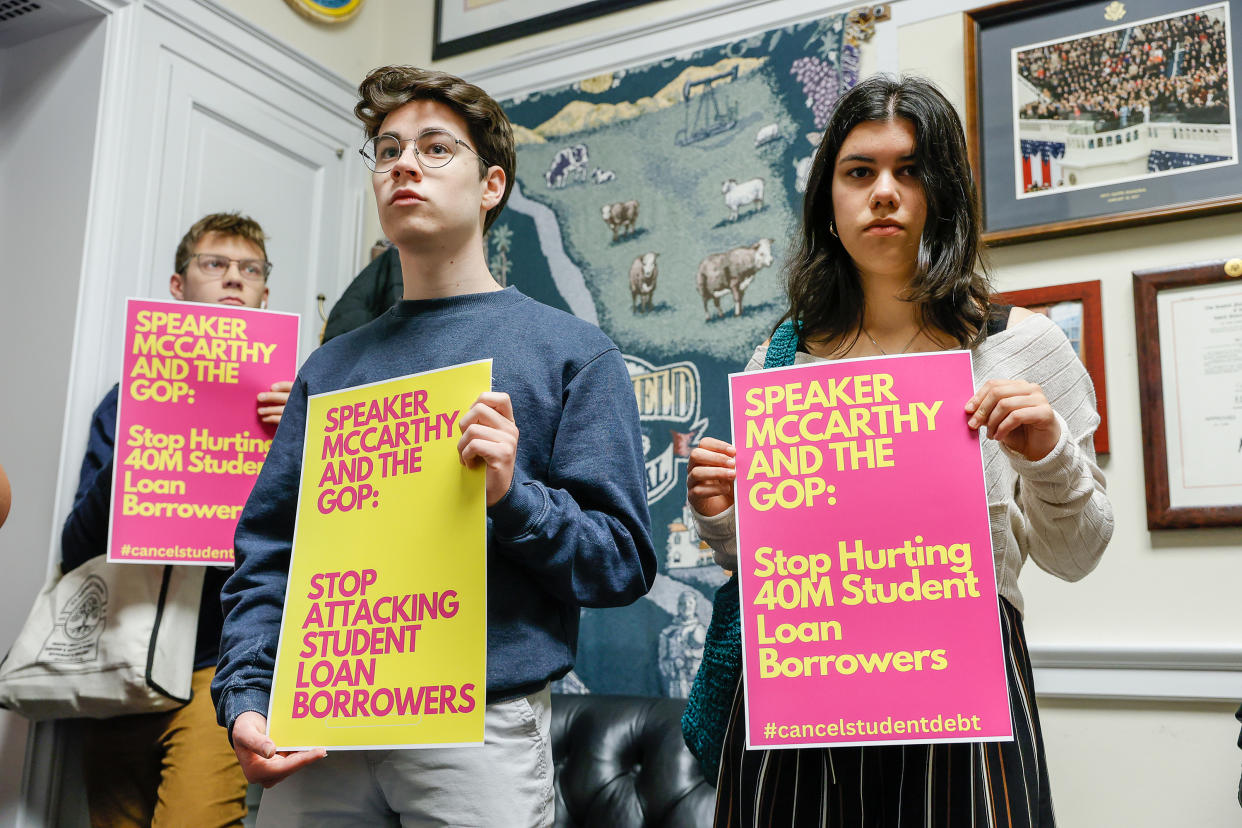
(164, 769)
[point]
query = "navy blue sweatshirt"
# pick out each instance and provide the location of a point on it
(572, 531)
(86, 529)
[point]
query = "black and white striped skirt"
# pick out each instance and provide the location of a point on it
(896, 786)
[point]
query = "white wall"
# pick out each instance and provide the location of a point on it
(1142, 765)
(47, 136)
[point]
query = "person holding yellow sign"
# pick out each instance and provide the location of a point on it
(564, 530)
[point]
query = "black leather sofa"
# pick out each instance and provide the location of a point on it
(621, 763)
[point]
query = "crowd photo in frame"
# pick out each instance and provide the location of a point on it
(1188, 323)
(465, 25)
(1093, 115)
(1076, 310)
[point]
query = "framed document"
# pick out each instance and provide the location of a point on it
(1088, 114)
(1076, 310)
(1189, 326)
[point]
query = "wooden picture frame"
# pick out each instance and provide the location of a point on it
(459, 28)
(1169, 337)
(1088, 339)
(1051, 160)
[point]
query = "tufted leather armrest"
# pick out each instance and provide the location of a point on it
(621, 763)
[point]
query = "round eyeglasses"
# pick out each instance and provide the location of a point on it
(433, 149)
(215, 266)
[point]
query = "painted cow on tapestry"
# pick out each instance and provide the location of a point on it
(569, 164)
(731, 272)
(737, 196)
(643, 274)
(620, 217)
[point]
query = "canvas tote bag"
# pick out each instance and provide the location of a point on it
(105, 640)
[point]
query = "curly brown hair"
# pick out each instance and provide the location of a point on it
(389, 88)
(226, 224)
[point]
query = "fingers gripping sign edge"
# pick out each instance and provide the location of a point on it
(710, 475)
(260, 762)
(490, 435)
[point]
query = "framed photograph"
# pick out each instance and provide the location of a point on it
(1090, 115)
(466, 25)
(1188, 321)
(1076, 311)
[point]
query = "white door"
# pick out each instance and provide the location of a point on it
(226, 149)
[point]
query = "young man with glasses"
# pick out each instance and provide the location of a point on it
(566, 496)
(176, 768)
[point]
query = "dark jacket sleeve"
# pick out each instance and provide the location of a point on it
(587, 533)
(369, 295)
(86, 529)
(253, 598)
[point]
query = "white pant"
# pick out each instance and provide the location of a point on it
(506, 782)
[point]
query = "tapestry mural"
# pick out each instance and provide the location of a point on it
(658, 202)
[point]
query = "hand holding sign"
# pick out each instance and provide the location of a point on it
(1018, 415)
(709, 479)
(490, 434)
(272, 403)
(256, 753)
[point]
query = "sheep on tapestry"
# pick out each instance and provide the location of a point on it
(737, 195)
(731, 272)
(767, 134)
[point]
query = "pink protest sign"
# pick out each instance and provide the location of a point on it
(189, 441)
(869, 606)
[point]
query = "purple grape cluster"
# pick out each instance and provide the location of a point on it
(819, 84)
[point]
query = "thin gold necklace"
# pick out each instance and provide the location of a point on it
(886, 353)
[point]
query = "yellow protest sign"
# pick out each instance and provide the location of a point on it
(384, 637)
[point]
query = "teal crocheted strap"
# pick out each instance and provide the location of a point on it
(706, 716)
(783, 346)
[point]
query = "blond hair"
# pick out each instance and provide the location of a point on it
(226, 224)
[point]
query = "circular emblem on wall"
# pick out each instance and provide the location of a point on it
(326, 11)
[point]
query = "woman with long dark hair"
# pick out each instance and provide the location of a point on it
(888, 263)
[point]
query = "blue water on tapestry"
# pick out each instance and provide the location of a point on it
(659, 202)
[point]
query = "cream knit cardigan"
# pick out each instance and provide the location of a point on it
(1054, 510)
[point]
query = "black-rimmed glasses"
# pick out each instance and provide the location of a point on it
(433, 149)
